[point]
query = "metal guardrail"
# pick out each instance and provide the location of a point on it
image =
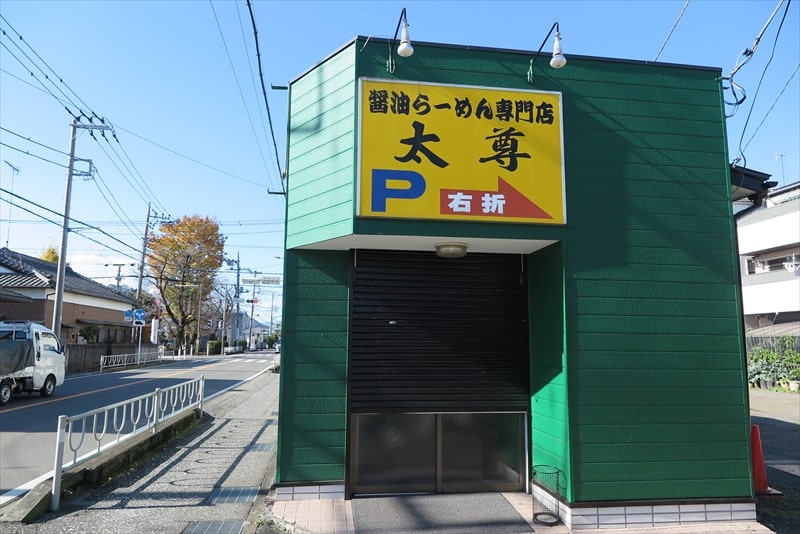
(114, 424)
(124, 360)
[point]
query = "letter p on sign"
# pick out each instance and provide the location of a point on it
(395, 184)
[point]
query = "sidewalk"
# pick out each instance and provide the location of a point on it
(319, 510)
(324, 515)
(217, 479)
(208, 481)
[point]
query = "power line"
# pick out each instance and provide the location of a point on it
(238, 87)
(54, 73)
(79, 230)
(128, 224)
(791, 77)
(246, 49)
(116, 210)
(760, 80)
(32, 155)
(141, 178)
(90, 116)
(748, 53)
(264, 91)
(675, 25)
(34, 142)
(136, 190)
(22, 64)
(89, 226)
(150, 141)
(189, 158)
(32, 86)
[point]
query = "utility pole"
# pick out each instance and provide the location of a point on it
(144, 248)
(236, 294)
(222, 324)
(144, 251)
(271, 312)
(199, 306)
(252, 310)
(119, 267)
(62, 255)
(14, 172)
(236, 324)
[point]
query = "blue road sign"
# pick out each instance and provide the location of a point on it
(139, 315)
(129, 315)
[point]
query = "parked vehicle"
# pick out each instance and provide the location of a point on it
(31, 359)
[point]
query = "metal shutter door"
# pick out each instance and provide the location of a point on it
(437, 335)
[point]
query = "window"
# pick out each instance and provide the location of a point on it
(779, 261)
(49, 342)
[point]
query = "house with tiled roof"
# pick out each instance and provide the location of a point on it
(27, 292)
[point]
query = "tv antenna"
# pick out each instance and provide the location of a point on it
(14, 173)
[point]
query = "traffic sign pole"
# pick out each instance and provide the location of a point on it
(139, 350)
(139, 317)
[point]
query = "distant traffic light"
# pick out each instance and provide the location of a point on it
(252, 301)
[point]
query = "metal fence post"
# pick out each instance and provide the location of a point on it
(202, 393)
(61, 434)
(156, 409)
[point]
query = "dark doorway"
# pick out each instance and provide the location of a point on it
(439, 383)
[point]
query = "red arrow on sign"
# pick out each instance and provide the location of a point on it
(505, 202)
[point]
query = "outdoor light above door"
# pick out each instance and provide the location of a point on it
(451, 250)
(404, 49)
(558, 60)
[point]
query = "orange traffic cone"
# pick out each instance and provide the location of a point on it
(759, 468)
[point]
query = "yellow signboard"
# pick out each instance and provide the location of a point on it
(451, 152)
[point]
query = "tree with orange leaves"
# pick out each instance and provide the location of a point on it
(183, 257)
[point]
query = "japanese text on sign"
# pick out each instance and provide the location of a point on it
(457, 152)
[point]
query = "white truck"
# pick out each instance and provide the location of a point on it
(31, 359)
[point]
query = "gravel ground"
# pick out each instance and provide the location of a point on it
(777, 415)
(781, 514)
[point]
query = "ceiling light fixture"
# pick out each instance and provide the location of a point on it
(451, 250)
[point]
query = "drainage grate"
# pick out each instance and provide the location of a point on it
(233, 495)
(262, 447)
(214, 527)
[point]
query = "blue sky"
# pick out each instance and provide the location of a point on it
(178, 80)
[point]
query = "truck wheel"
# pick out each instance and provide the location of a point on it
(5, 393)
(49, 386)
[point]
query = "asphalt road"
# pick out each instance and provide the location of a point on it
(28, 423)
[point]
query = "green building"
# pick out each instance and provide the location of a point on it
(502, 276)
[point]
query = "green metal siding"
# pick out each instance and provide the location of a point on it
(313, 395)
(550, 436)
(657, 398)
(637, 364)
(321, 153)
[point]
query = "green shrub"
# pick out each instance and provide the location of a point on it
(762, 365)
(779, 365)
(90, 333)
